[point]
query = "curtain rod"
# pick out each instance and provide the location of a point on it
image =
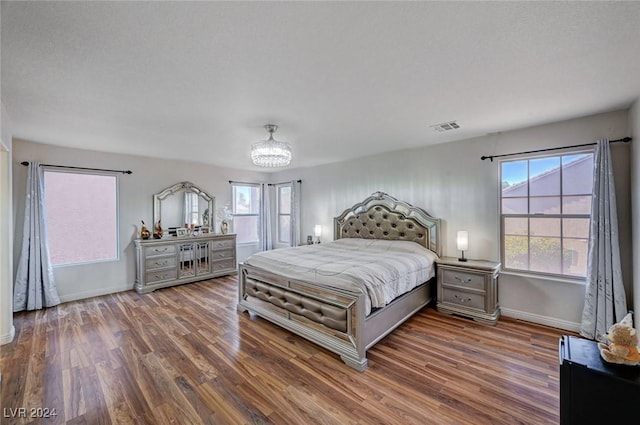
(269, 184)
(25, 163)
(248, 183)
(625, 140)
(275, 184)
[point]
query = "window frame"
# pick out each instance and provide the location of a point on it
(560, 216)
(116, 176)
(258, 215)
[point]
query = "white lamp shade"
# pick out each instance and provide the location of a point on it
(462, 240)
(317, 230)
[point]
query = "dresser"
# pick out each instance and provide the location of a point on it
(468, 288)
(593, 391)
(174, 261)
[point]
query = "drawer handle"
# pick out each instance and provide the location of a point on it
(162, 263)
(161, 249)
(461, 299)
(163, 276)
(459, 279)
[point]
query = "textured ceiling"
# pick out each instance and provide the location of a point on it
(198, 80)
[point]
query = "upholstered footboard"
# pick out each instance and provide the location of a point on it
(332, 318)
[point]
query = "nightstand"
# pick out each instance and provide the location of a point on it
(468, 288)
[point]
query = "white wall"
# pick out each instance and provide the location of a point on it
(136, 203)
(634, 124)
(451, 182)
(7, 329)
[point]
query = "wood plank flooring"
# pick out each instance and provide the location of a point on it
(184, 355)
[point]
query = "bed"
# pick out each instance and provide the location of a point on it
(319, 292)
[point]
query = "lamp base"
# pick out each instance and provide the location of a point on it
(462, 259)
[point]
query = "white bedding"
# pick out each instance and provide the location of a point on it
(381, 269)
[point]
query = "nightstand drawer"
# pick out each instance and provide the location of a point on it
(466, 279)
(462, 298)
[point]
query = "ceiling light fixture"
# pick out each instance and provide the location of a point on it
(271, 152)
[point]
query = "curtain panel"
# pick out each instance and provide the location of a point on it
(296, 187)
(35, 286)
(266, 237)
(605, 300)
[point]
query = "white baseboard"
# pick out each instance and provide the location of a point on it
(94, 293)
(541, 320)
(7, 338)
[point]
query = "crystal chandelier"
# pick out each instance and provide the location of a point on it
(271, 152)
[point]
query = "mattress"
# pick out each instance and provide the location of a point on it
(381, 269)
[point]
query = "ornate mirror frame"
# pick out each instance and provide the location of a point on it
(186, 187)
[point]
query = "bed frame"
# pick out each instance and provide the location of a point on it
(336, 319)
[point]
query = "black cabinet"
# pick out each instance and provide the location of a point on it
(593, 391)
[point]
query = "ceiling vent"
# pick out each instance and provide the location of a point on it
(446, 126)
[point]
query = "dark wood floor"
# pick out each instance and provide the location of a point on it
(183, 355)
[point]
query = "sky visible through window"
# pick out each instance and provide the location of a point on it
(516, 171)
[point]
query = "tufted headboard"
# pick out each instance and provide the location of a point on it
(381, 216)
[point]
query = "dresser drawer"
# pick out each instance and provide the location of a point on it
(464, 278)
(151, 251)
(217, 266)
(223, 255)
(161, 275)
(462, 298)
(223, 244)
(160, 263)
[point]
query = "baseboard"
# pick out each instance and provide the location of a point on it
(7, 338)
(93, 293)
(541, 320)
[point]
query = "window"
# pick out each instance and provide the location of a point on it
(246, 210)
(545, 214)
(191, 211)
(284, 213)
(81, 217)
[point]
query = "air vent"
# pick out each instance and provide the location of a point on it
(446, 126)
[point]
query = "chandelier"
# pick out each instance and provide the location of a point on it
(271, 152)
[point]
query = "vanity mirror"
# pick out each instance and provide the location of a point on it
(183, 203)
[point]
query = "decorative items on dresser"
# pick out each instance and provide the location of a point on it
(468, 288)
(174, 261)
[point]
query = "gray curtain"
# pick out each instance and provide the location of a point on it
(266, 240)
(295, 212)
(605, 301)
(34, 287)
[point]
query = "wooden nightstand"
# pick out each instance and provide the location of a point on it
(468, 288)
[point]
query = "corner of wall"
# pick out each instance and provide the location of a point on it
(634, 127)
(7, 330)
